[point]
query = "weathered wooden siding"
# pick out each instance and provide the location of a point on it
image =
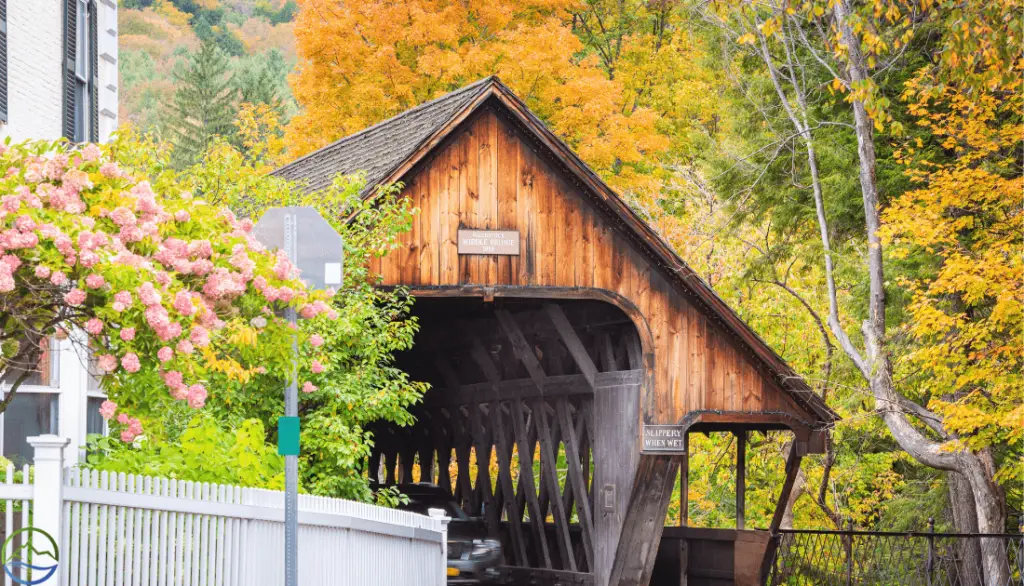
(489, 175)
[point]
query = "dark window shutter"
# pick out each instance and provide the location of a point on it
(94, 72)
(70, 46)
(3, 61)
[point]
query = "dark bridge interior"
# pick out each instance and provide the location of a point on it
(531, 425)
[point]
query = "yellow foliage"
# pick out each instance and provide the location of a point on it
(967, 217)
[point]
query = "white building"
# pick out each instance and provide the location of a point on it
(58, 69)
(58, 78)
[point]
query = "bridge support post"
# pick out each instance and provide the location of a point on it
(644, 520)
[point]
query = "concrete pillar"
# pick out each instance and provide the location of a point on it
(48, 499)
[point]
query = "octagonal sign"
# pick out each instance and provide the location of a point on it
(309, 241)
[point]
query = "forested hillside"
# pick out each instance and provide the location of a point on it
(158, 38)
(848, 175)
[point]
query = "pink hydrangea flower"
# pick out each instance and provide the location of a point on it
(109, 170)
(127, 436)
(75, 297)
(124, 298)
(94, 326)
(308, 387)
(196, 396)
(107, 410)
(123, 419)
(130, 362)
(148, 294)
(42, 272)
(127, 334)
(182, 216)
(185, 347)
(123, 217)
(164, 354)
(316, 367)
(107, 363)
(183, 303)
(91, 152)
(308, 311)
(58, 278)
(316, 340)
(199, 336)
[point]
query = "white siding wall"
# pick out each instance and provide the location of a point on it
(34, 65)
(36, 69)
(35, 111)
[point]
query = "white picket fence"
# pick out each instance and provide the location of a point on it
(125, 530)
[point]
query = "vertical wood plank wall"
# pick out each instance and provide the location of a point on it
(490, 176)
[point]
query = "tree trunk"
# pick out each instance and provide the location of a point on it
(799, 487)
(878, 365)
(965, 520)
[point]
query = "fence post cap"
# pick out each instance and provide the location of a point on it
(439, 514)
(48, 441)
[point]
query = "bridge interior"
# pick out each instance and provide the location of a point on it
(531, 425)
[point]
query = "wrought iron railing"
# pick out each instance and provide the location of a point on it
(877, 558)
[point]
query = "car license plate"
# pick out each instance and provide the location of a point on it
(453, 572)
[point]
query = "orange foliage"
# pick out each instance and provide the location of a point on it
(363, 62)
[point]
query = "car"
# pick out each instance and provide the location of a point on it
(473, 556)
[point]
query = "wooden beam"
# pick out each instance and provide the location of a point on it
(484, 445)
(576, 481)
(521, 348)
(527, 481)
(792, 468)
(741, 479)
(634, 351)
(572, 342)
(684, 483)
(549, 475)
(645, 520)
(526, 388)
(515, 518)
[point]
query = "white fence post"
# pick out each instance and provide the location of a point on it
(47, 499)
(442, 516)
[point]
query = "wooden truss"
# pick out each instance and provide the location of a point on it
(516, 451)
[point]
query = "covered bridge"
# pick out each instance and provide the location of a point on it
(555, 321)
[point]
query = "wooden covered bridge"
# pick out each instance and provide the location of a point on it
(555, 321)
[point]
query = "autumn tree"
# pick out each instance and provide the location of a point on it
(851, 47)
(363, 62)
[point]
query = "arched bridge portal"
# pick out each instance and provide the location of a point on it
(531, 424)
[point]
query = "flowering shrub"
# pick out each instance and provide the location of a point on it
(164, 286)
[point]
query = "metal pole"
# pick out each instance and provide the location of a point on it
(291, 409)
(931, 549)
(849, 551)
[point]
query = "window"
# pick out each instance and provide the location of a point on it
(46, 374)
(83, 73)
(94, 423)
(81, 112)
(3, 61)
(28, 415)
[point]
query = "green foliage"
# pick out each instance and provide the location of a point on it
(260, 79)
(360, 382)
(391, 497)
(286, 13)
(203, 106)
(205, 452)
